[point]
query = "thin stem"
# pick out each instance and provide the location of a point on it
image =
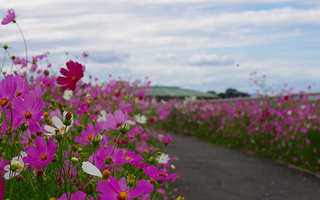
(155, 194)
(25, 46)
(5, 53)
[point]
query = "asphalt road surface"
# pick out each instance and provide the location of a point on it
(209, 172)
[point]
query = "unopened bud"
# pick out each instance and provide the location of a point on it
(80, 128)
(74, 160)
(125, 128)
(5, 46)
(180, 198)
(131, 179)
(96, 141)
(88, 189)
(24, 126)
(14, 166)
(106, 174)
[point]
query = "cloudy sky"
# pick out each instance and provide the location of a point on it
(196, 44)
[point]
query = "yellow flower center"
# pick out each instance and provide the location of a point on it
(89, 137)
(128, 158)
(19, 93)
(123, 195)
(74, 78)
(106, 174)
(118, 124)
(43, 157)
(4, 102)
(62, 129)
(28, 114)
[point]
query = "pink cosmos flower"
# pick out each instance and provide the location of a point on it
(114, 122)
(3, 163)
(85, 54)
(118, 190)
(42, 155)
(132, 158)
(160, 176)
(29, 110)
(10, 17)
(1, 188)
(72, 76)
(76, 196)
(103, 157)
(166, 139)
(89, 134)
(8, 88)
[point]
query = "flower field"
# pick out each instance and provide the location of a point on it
(285, 129)
(63, 138)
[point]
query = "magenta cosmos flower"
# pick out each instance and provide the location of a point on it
(118, 190)
(132, 158)
(89, 134)
(28, 110)
(10, 17)
(76, 196)
(103, 157)
(114, 122)
(42, 155)
(160, 176)
(72, 76)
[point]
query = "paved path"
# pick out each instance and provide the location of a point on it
(209, 172)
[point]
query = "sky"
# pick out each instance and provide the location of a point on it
(195, 44)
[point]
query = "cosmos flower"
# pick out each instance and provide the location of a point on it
(89, 134)
(10, 17)
(118, 190)
(132, 158)
(159, 176)
(140, 119)
(114, 122)
(28, 110)
(163, 159)
(89, 168)
(42, 155)
(102, 157)
(79, 195)
(72, 76)
(60, 127)
(15, 167)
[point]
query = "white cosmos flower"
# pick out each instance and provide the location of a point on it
(17, 161)
(60, 127)
(140, 119)
(163, 159)
(67, 94)
(89, 168)
(102, 116)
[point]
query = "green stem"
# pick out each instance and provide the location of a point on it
(155, 194)
(25, 46)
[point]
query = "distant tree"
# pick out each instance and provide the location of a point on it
(212, 92)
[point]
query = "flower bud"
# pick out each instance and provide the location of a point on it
(46, 72)
(68, 119)
(5, 46)
(24, 126)
(96, 141)
(131, 179)
(20, 178)
(14, 166)
(125, 128)
(152, 159)
(74, 160)
(39, 174)
(46, 117)
(13, 57)
(80, 128)
(89, 188)
(106, 174)
(180, 198)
